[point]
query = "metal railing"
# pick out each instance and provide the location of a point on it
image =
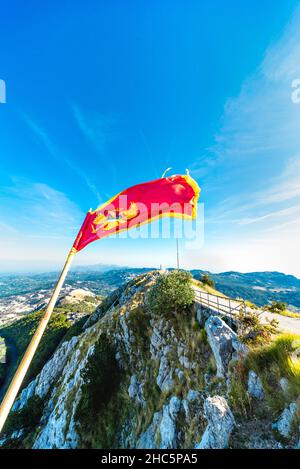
(224, 305)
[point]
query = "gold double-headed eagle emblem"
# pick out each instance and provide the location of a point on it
(114, 218)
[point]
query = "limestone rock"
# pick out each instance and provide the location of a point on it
(284, 423)
(284, 384)
(148, 439)
(255, 387)
(135, 390)
(193, 395)
(191, 403)
(238, 346)
(168, 432)
(49, 374)
(220, 424)
(220, 336)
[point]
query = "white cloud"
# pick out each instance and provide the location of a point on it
(99, 130)
(37, 209)
(253, 168)
(57, 154)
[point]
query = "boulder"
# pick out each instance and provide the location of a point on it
(255, 387)
(147, 439)
(164, 378)
(284, 384)
(49, 374)
(192, 403)
(168, 431)
(220, 337)
(284, 423)
(220, 424)
(238, 346)
(135, 390)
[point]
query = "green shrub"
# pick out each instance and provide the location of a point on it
(252, 331)
(207, 280)
(276, 307)
(171, 294)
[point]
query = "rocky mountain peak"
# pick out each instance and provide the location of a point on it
(137, 376)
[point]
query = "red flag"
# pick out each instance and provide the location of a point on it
(174, 196)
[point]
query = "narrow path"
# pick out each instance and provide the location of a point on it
(286, 324)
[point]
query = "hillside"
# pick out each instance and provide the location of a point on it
(258, 287)
(72, 307)
(152, 369)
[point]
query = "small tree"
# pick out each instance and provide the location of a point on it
(207, 280)
(276, 307)
(172, 293)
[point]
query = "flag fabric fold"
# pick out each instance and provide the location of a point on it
(174, 196)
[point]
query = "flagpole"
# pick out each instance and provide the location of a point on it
(18, 378)
(177, 253)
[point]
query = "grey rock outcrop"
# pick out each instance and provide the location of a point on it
(284, 423)
(163, 428)
(220, 336)
(168, 432)
(284, 384)
(220, 424)
(49, 374)
(148, 439)
(255, 387)
(193, 397)
(164, 378)
(135, 390)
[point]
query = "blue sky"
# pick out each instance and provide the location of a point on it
(103, 95)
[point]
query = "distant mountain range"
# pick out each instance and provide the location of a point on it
(257, 287)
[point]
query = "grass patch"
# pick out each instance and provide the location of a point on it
(207, 288)
(271, 363)
(290, 314)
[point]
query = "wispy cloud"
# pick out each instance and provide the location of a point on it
(95, 126)
(59, 155)
(261, 122)
(35, 208)
(252, 169)
(38, 225)
(99, 131)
